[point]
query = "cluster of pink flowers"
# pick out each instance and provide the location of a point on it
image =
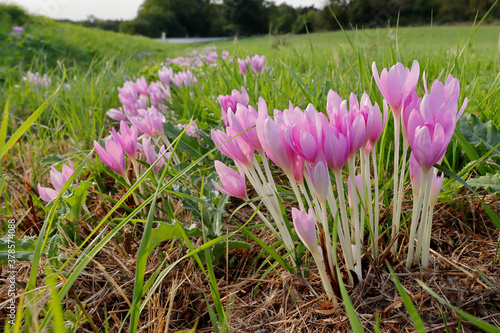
(256, 64)
(196, 59)
(138, 98)
(36, 80)
(305, 144)
(126, 142)
(58, 180)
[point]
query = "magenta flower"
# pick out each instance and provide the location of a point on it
(436, 184)
(397, 83)
(158, 94)
(127, 138)
(225, 55)
(112, 156)
(243, 66)
(116, 114)
(305, 226)
(17, 31)
(184, 78)
(258, 62)
(358, 179)
(58, 180)
(150, 153)
(235, 148)
(233, 182)
(336, 149)
(165, 75)
(150, 121)
(243, 120)
(320, 179)
(411, 103)
(231, 102)
(142, 86)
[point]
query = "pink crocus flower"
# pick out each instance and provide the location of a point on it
(17, 31)
(305, 226)
(112, 156)
(397, 83)
(225, 55)
(58, 180)
(258, 62)
(184, 78)
(127, 138)
(158, 94)
(191, 130)
(235, 148)
(150, 154)
(243, 120)
(150, 121)
(233, 182)
(116, 114)
(320, 180)
(243, 66)
(231, 102)
(142, 86)
(165, 75)
(336, 149)
(358, 179)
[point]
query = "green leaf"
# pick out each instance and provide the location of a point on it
(23, 249)
(77, 199)
(166, 231)
(410, 307)
(490, 182)
(479, 134)
(53, 159)
(219, 250)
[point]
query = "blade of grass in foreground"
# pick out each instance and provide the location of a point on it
(410, 307)
(487, 327)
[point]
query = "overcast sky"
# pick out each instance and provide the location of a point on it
(105, 9)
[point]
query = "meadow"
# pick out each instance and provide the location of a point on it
(144, 231)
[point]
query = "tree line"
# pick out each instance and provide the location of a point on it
(204, 18)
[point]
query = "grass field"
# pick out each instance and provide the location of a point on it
(163, 250)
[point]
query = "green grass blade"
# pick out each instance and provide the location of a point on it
(487, 327)
(410, 307)
(24, 127)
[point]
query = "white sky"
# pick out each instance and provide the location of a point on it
(105, 9)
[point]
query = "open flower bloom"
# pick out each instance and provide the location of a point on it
(397, 83)
(112, 156)
(141, 86)
(258, 62)
(243, 120)
(231, 102)
(150, 121)
(233, 182)
(431, 127)
(127, 138)
(17, 31)
(184, 78)
(58, 180)
(235, 148)
(165, 75)
(150, 153)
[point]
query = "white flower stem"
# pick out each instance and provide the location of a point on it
(344, 219)
(427, 238)
(425, 213)
(354, 206)
(396, 200)
(377, 204)
(369, 201)
(325, 279)
(264, 219)
(417, 207)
